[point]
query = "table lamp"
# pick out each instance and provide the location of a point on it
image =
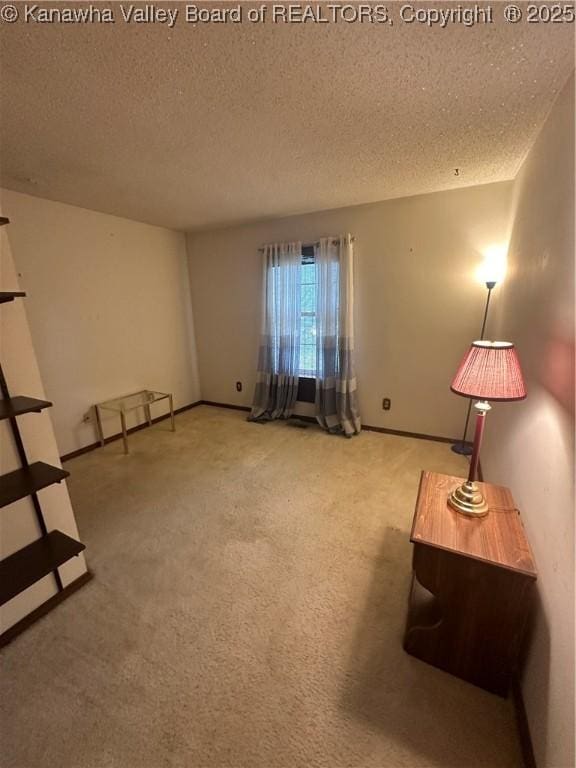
(490, 370)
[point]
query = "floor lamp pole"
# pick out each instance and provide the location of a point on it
(464, 448)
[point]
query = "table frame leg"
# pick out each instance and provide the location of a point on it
(124, 432)
(99, 426)
(172, 414)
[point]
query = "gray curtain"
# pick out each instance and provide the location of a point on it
(336, 397)
(279, 354)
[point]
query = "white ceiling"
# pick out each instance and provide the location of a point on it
(199, 126)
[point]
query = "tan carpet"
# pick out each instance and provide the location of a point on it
(247, 612)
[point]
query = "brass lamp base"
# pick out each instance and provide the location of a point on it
(468, 500)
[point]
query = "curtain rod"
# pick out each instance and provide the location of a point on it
(335, 241)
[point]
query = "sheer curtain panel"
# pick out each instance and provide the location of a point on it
(336, 396)
(279, 353)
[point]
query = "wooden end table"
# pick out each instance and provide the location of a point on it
(471, 585)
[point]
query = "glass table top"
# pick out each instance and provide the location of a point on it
(133, 401)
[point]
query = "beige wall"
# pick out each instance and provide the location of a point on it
(109, 309)
(529, 446)
(18, 525)
(417, 302)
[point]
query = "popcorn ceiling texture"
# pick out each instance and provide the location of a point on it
(198, 126)
(247, 611)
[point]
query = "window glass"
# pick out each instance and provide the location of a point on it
(308, 319)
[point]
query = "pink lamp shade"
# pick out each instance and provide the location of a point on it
(490, 370)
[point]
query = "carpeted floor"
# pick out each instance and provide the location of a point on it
(247, 612)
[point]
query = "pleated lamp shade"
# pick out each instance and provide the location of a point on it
(490, 370)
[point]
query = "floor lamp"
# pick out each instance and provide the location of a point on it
(462, 447)
(493, 270)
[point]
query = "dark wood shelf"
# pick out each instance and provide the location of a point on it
(4, 220)
(10, 296)
(26, 481)
(16, 406)
(30, 564)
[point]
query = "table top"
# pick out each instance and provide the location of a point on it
(133, 401)
(498, 538)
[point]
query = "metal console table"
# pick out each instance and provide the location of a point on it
(123, 405)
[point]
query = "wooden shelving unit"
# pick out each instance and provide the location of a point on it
(51, 549)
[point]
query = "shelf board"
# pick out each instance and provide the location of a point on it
(26, 481)
(30, 564)
(16, 406)
(10, 296)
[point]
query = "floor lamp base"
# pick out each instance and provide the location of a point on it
(464, 449)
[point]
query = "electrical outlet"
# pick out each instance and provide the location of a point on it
(386, 404)
(238, 386)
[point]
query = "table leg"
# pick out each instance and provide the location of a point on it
(124, 433)
(99, 426)
(148, 416)
(172, 414)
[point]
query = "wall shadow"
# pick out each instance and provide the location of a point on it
(534, 724)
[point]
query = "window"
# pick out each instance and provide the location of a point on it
(307, 367)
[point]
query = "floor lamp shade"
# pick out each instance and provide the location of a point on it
(490, 370)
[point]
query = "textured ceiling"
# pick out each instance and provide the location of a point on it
(198, 126)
